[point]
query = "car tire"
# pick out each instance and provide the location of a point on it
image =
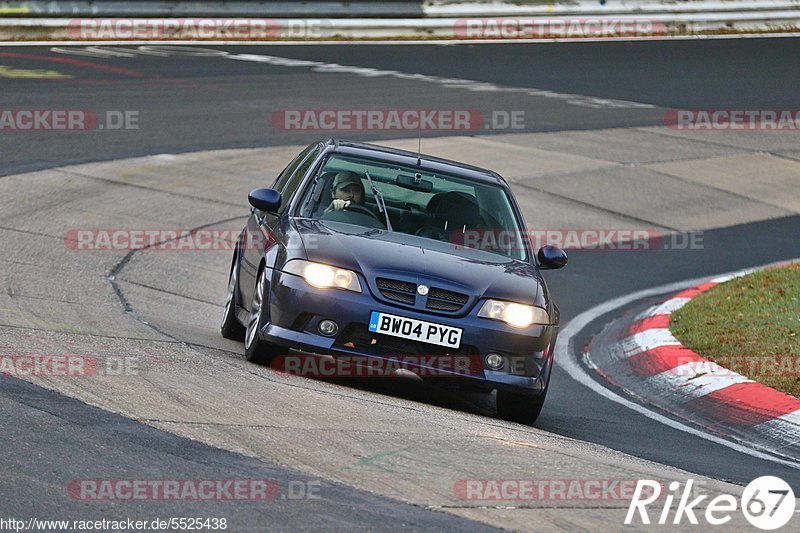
(257, 350)
(230, 327)
(521, 408)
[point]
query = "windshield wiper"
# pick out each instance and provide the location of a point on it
(379, 201)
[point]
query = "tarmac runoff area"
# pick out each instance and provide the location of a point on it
(159, 310)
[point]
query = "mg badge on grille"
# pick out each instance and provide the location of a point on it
(422, 289)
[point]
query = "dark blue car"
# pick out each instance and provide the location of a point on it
(383, 256)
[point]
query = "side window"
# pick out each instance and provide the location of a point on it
(296, 178)
(290, 168)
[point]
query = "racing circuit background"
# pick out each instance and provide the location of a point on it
(600, 138)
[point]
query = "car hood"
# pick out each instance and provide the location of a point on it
(394, 255)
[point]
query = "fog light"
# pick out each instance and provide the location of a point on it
(328, 327)
(494, 361)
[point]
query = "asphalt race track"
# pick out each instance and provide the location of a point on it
(236, 99)
(381, 454)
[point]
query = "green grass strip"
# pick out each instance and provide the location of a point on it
(750, 325)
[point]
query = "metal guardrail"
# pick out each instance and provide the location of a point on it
(477, 8)
(392, 19)
(210, 8)
(379, 8)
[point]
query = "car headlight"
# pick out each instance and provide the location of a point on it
(513, 314)
(324, 276)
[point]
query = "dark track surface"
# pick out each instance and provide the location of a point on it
(618, 273)
(189, 104)
(197, 103)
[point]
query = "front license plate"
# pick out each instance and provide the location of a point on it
(418, 330)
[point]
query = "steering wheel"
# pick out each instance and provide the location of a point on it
(362, 209)
(431, 233)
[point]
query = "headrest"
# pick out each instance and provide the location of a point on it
(459, 209)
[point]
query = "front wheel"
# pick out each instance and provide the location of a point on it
(521, 408)
(255, 349)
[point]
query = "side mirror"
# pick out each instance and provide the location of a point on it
(267, 200)
(551, 257)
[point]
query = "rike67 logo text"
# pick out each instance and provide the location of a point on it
(767, 503)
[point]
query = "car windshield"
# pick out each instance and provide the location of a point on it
(429, 205)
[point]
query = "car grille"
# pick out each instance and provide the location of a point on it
(444, 300)
(359, 337)
(399, 291)
(405, 292)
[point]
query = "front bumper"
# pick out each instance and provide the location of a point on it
(296, 309)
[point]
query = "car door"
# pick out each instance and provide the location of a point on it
(262, 232)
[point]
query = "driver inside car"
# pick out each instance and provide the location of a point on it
(348, 204)
(347, 189)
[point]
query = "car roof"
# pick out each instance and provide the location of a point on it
(404, 157)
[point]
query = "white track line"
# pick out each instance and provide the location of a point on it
(566, 352)
(666, 308)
